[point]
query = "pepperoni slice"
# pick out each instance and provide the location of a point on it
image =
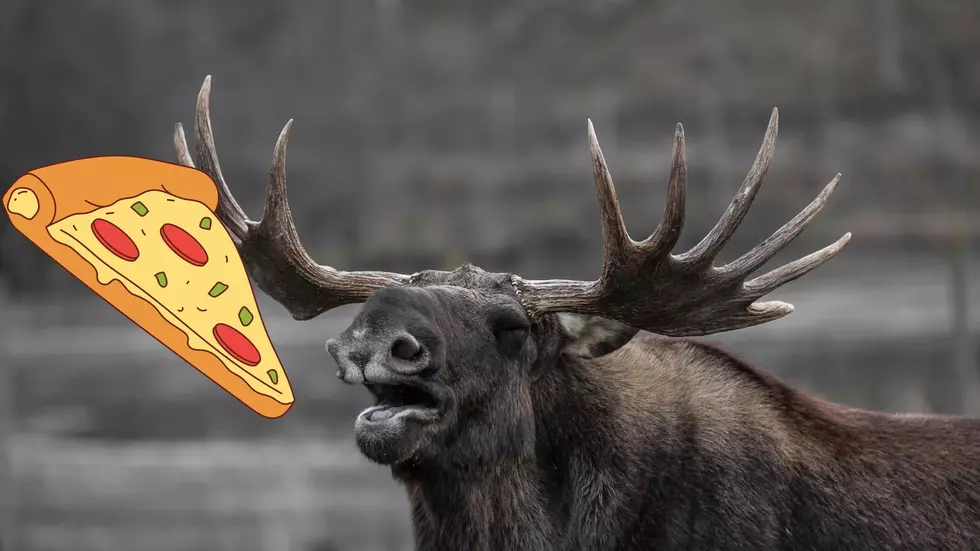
(237, 344)
(115, 239)
(184, 245)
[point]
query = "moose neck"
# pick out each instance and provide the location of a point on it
(531, 499)
(484, 493)
(500, 508)
(638, 439)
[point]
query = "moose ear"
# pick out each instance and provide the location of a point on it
(593, 336)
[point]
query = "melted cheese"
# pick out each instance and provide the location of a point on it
(185, 294)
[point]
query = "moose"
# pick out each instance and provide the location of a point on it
(527, 414)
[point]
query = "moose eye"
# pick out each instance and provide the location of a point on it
(508, 323)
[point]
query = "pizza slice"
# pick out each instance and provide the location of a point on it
(144, 235)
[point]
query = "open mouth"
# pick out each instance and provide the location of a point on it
(400, 399)
(406, 410)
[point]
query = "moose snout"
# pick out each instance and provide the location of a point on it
(386, 358)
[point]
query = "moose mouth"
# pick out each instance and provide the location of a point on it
(394, 428)
(401, 400)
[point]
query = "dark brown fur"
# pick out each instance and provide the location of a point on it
(665, 444)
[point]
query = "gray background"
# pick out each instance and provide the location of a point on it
(429, 133)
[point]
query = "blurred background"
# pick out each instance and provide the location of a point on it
(429, 133)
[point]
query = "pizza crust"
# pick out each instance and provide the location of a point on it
(84, 185)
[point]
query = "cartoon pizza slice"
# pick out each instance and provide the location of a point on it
(144, 235)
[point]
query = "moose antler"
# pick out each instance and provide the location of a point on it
(644, 285)
(271, 248)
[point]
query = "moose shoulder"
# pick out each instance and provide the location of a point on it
(530, 415)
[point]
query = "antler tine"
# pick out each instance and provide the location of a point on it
(645, 286)
(180, 144)
(271, 248)
(770, 281)
(663, 239)
(615, 237)
(236, 226)
(229, 211)
(277, 224)
(761, 253)
(709, 247)
(276, 206)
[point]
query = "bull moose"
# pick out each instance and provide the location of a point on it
(530, 415)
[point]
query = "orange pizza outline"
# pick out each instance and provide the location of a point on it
(87, 184)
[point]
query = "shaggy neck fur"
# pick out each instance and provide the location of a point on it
(569, 480)
(675, 445)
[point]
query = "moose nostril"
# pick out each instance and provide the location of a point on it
(405, 347)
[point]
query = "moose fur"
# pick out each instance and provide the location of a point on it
(656, 444)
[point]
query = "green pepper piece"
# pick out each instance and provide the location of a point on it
(205, 223)
(140, 208)
(161, 279)
(218, 288)
(273, 376)
(245, 316)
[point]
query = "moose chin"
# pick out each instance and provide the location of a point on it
(527, 414)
